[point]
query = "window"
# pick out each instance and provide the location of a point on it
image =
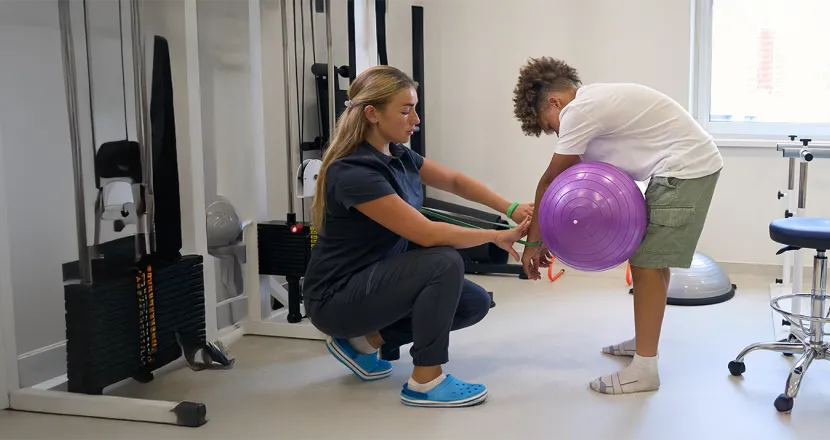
(763, 67)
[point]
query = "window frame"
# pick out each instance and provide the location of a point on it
(702, 86)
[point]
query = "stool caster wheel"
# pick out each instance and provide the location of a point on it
(783, 403)
(736, 368)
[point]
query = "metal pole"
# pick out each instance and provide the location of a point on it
(87, 34)
(287, 99)
(798, 257)
(818, 297)
(68, 56)
(791, 175)
(332, 78)
(802, 186)
(146, 209)
(786, 277)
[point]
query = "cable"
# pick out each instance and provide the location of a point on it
(313, 39)
(302, 33)
(296, 72)
(303, 69)
(123, 74)
(299, 85)
(314, 61)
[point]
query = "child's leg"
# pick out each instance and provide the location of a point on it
(677, 213)
(629, 347)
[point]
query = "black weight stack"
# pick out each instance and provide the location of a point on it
(284, 250)
(124, 326)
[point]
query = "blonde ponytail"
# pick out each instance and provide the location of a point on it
(375, 86)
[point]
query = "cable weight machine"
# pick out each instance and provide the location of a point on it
(284, 246)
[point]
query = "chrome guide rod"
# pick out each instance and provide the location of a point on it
(287, 99)
(69, 75)
(332, 78)
(143, 133)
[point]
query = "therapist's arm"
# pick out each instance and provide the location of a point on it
(438, 176)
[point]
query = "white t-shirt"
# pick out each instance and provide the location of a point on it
(638, 129)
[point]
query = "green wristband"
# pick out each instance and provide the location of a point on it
(532, 243)
(511, 209)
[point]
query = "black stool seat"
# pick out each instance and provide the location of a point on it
(802, 232)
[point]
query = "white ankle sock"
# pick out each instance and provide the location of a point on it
(625, 348)
(638, 377)
(362, 345)
(425, 387)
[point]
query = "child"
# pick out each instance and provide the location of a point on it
(648, 135)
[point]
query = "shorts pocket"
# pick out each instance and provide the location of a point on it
(667, 233)
(671, 216)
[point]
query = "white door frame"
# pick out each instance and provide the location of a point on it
(8, 348)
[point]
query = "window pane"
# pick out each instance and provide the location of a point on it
(770, 61)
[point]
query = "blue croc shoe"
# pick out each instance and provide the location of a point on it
(365, 366)
(451, 393)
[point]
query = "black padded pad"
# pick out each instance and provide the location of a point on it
(803, 232)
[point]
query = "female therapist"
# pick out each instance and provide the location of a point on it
(362, 287)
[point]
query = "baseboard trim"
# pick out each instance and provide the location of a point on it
(41, 365)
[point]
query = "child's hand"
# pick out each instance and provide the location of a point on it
(531, 261)
(544, 256)
(522, 212)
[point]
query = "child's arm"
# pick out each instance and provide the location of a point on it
(577, 130)
(558, 164)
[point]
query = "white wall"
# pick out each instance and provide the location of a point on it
(477, 50)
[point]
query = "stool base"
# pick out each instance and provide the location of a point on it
(784, 402)
(806, 337)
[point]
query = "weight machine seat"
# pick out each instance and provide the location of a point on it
(801, 232)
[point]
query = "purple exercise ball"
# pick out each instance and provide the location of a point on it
(593, 217)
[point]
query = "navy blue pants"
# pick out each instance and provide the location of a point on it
(417, 297)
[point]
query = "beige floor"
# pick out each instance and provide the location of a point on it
(536, 351)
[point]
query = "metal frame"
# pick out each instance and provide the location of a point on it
(808, 341)
(44, 398)
(8, 348)
(275, 324)
(792, 270)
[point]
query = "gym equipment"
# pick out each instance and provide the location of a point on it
(284, 246)
(791, 281)
(484, 259)
(797, 233)
(593, 216)
(703, 283)
(418, 139)
(135, 304)
(324, 100)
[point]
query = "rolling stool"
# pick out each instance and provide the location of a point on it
(797, 233)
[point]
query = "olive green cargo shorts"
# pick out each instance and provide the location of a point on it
(677, 210)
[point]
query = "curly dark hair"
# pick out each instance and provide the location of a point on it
(537, 78)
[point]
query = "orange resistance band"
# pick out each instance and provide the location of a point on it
(551, 276)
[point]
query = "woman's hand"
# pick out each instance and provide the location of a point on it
(523, 211)
(505, 239)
